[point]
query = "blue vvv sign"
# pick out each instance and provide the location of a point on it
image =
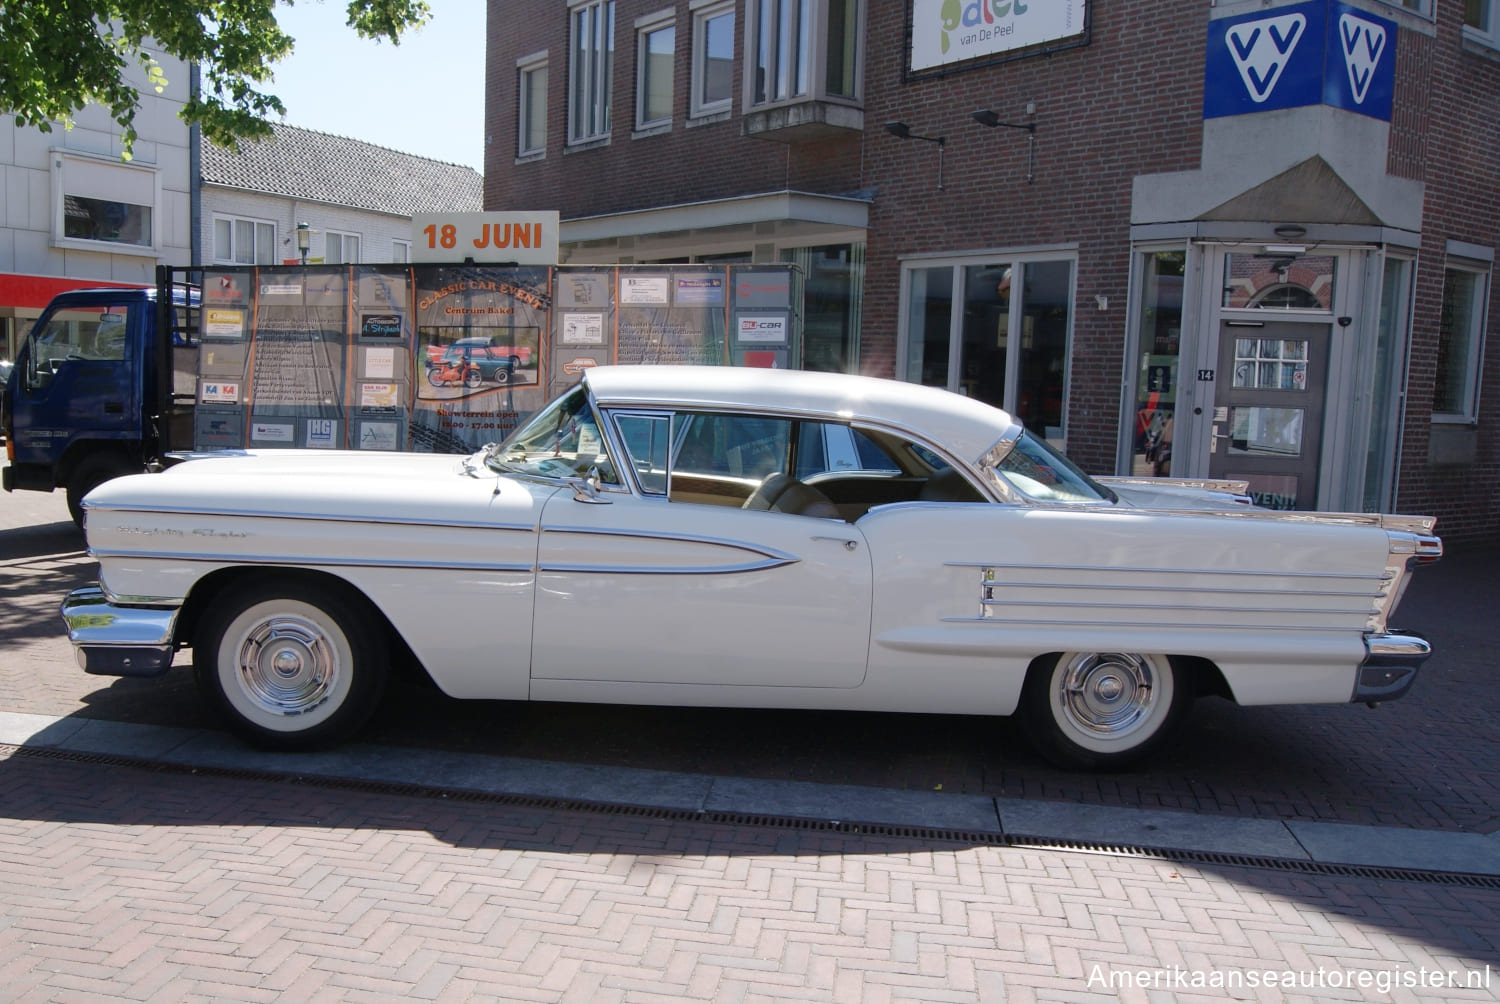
(1322, 52)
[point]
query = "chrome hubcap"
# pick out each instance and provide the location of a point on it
(1107, 695)
(287, 666)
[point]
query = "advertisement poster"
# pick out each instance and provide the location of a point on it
(448, 358)
(944, 32)
(479, 346)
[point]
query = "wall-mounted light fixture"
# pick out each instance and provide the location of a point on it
(1291, 232)
(903, 131)
(985, 117)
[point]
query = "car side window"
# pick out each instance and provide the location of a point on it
(646, 438)
(831, 448)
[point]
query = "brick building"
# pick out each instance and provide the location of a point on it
(1233, 239)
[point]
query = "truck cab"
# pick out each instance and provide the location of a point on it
(87, 398)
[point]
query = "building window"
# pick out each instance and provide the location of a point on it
(592, 65)
(104, 202)
(832, 279)
(400, 251)
(1162, 274)
(993, 329)
(803, 49)
(339, 248)
(713, 58)
(656, 43)
(531, 106)
(1460, 333)
(1480, 21)
(106, 220)
(244, 242)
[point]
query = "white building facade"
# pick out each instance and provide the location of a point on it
(74, 213)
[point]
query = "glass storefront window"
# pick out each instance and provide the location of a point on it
(1380, 453)
(1162, 275)
(1277, 282)
(986, 332)
(1044, 348)
(1008, 322)
(832, 294)
(928, 323)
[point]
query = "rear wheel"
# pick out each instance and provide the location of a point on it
(433, 377)
(290, 665)
(90, 474)
(1102, 710)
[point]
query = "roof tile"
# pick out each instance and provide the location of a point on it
(318, 166)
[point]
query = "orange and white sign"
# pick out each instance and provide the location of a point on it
(488, 238)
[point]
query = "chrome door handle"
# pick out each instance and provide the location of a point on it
(849, 545)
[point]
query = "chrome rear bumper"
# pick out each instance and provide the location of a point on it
(1390, 666)
(114, 640)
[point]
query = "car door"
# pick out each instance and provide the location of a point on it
(635, 588)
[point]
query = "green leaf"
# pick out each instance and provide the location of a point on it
(56, 58)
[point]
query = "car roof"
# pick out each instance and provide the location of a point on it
(963, 425)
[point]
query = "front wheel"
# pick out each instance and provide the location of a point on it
(473, 378)
(92, 473)
(1102, 710)
(289, 665)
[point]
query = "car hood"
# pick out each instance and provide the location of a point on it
(322, 483)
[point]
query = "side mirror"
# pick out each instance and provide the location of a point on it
(586, 489)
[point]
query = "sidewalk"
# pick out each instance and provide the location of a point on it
(961, 817)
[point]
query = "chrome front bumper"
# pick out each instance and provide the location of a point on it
(114, 640)
(1390, 666)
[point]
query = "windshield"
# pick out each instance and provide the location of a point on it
(1039, 472)
(561, 441)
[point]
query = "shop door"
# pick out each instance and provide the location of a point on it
(1269, 405)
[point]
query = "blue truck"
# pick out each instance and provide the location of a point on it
(102, 386)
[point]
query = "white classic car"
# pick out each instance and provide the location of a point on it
(749, 538)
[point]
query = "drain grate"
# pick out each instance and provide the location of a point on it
(831, 826)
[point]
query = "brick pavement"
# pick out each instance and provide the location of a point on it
(134, 884)
(1430, 760)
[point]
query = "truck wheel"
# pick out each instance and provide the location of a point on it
(90, 474)
(1102, 710)
(290, 665)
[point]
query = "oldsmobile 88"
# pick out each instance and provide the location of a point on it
(747, 538)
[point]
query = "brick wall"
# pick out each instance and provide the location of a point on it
(1129, 103)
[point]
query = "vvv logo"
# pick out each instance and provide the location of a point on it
(1262, 48)
(1363, 43)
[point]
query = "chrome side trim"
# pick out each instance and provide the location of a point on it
(1141, 588)
(1095, 569)
(749, 566)
(304, 561)
(770, 557)
(739, 545)
(1033, 622)
(113, 640)
(329, 517)
(988, 602)
(1226, 485)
